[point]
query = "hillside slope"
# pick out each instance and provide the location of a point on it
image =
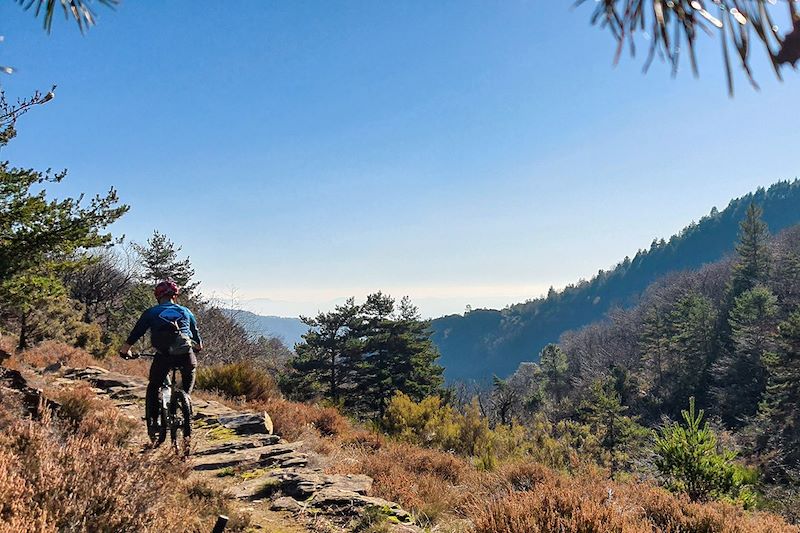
(287, 329)
(486, 341)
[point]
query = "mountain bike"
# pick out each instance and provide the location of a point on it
(174, 414)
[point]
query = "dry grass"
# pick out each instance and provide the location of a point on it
(527, 497)
(64, 476)
(50, 352)
(93, 416)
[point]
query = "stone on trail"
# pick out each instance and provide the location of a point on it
(268, 423)
(286, 503)
(277, 454)
(214, 448)
(245, 423)
(52, 369)
(335, 500)
(302, 484)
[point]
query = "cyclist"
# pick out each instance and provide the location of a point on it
(174, 335)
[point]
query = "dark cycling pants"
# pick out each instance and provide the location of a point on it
(159, 370)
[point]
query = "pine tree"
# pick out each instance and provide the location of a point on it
(620, 436)
(779, 412)
(325, 361)
(740, 373)
(40, 237)
(654, 343)
(160, 261)
(554, 365)
(39, 233)
(397, 355)
(691, 326)
(753, 263)
(688, 459)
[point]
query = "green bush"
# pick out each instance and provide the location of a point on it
(237, 380)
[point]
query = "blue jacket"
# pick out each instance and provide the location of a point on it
(168, 312)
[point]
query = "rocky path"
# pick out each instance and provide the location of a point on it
(237, 451)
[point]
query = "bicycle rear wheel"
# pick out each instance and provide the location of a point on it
(181, 428)
(157, 424)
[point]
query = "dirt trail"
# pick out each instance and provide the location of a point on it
(270, 478)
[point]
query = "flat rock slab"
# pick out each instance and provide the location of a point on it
(345, 502)
(246, 423)
(277, 454)
(210, 409)
(286, 503)
(212, 448)
(126, 393)
(303, 484)
(105, 380)
(85, 373)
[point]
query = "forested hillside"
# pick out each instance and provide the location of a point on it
(726, 335)
(484, 342)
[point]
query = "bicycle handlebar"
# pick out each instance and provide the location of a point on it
(138, 355)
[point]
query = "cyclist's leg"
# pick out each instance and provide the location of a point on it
(188, 369)
(158, 372)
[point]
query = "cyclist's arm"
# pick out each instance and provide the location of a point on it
(137, 333)
(195, 334)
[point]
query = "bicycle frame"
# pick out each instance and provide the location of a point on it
(168, 388)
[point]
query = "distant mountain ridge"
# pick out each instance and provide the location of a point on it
(288, 329)
(483, 342)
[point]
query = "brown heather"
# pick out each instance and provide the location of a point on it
(293, 419)
(50, 352)
(65, 476)
(551, 501)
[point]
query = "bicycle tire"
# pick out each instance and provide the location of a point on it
(163, 418)
(157, 425)
(181, 428)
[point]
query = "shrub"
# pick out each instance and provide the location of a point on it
(237, 380)
(88, 414)
(427, 423)
(291, 420)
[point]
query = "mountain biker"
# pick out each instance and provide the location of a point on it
(174, 335)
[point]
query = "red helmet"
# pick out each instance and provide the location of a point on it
(167, 288)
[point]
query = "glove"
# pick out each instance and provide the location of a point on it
(127, 355)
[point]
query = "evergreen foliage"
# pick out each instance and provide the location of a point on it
(159, 258)
(752, 267)
(741, 374)
(554, 365)
(687, 457)
(620, 436)
(39, 236)
(361, 355)
(778, 423)
(325, 361)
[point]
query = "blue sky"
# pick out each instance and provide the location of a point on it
(460, 152)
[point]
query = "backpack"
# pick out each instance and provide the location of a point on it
(167, 337)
